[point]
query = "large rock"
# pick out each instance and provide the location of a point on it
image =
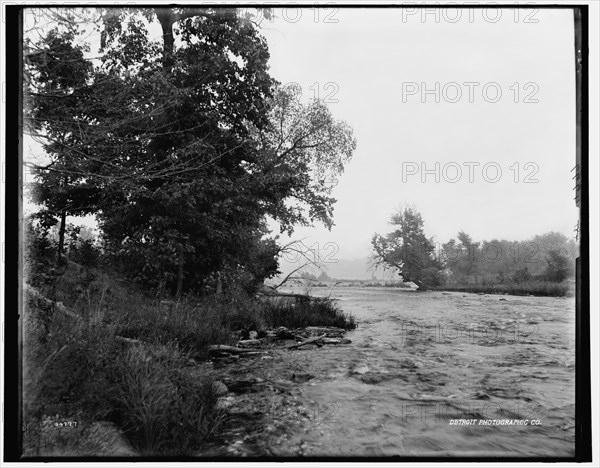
(96, 439)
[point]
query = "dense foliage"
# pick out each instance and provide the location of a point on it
(547, 257)
(180, 144)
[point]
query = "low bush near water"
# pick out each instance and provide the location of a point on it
(308, 312)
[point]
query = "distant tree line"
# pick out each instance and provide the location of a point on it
(547, 257)
(462, 261)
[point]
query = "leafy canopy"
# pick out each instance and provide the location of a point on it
(181, 145)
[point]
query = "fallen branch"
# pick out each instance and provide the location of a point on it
(59, 306)
(249, 343)
(330, 332)
(310, 340)
(231, 349)
(336, 341)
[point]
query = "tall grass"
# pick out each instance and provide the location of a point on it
(78, 369)
(309, 312)
(192, 327)
(163, 411)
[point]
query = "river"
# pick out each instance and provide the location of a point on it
(426, 374)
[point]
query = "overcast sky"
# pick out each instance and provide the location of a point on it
(377, 61)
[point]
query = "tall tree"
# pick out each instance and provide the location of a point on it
(408, 249)
(190, 145)
(56, 74)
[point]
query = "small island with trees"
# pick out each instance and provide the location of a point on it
(543, 265)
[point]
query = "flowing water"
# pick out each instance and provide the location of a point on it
(425, 374)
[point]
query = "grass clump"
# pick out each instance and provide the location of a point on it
(163, 411)
(312, 311)
(191, 326)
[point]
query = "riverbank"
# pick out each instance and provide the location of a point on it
(106, 366)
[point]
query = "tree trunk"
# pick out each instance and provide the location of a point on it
(61, 234)
(166, 19)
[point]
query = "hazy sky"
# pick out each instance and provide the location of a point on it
(370, 56)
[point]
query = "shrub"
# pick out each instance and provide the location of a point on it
(84, 252)
(522, 275)
(40, 257)
(558, 268)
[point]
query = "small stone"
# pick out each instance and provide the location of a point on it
(371, 378)
(535, 319)
(302, 377)
(220, 388)
(225, 402)
(360, 370)
(408, 364)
